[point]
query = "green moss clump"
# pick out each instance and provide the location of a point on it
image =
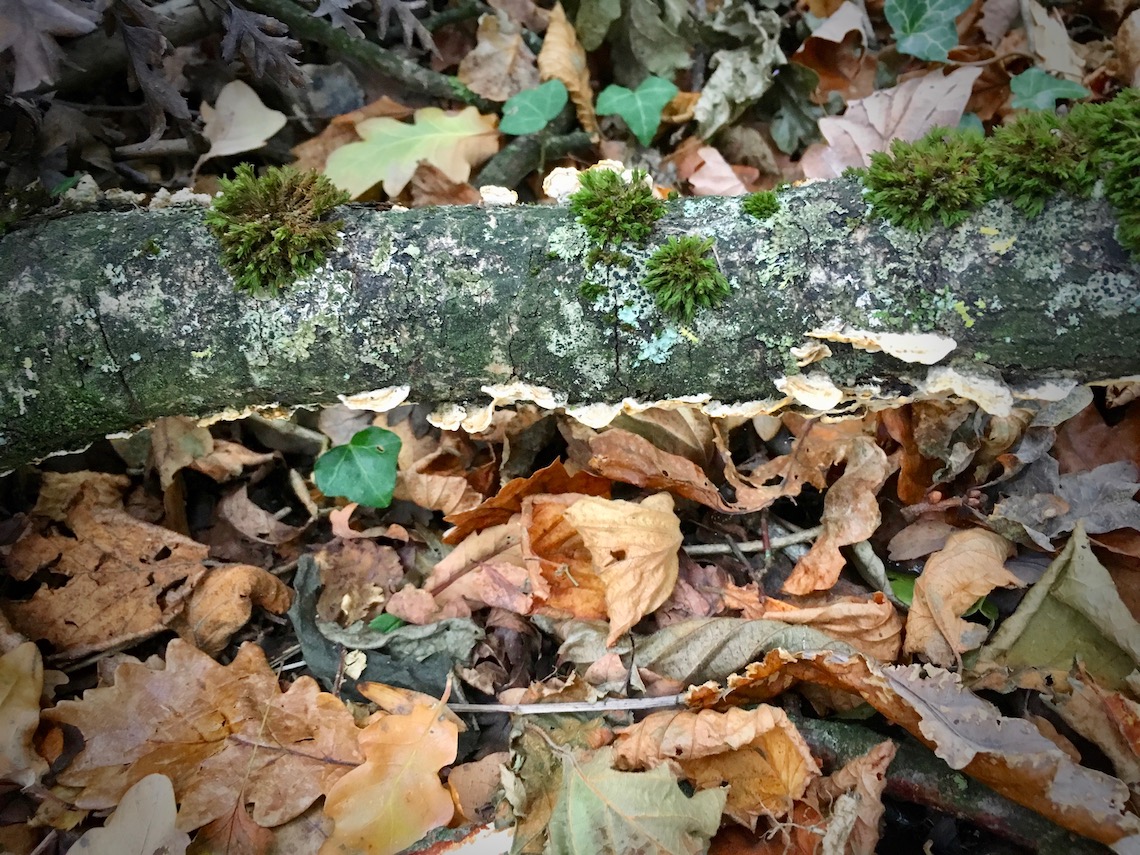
(941, 175)
(1027, 160)
(613, 211)
(20, 203)
(761, 205)
(1036, 156)
(271, 228)
(684, 279)
(590, 291)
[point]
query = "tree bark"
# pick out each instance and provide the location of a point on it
(111, 319)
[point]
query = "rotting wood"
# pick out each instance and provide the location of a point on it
(111, 319)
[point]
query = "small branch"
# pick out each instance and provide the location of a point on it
(804, 536)
(608, 705)
(525, 154)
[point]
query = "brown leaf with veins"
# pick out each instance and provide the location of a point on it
(758, 753)
(563, 58)
(222, 734)
(634, 551)
(850, 515)
(871, 625)
(500, 65)
(126, 579)
(431, 186)
(561, 569)
(954, 578)
(857, 787)
(234, 834)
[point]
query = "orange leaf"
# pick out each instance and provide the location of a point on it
(395, 797)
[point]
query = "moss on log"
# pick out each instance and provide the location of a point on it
(110, 319)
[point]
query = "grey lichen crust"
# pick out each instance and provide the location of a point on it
(113, 319)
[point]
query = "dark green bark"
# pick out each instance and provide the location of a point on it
(112, 319)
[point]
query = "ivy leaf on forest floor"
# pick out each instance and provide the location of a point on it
(1036, 90)
(390, 150)
(925, 28)
(363, 470)
(641, 108)
(531, 110)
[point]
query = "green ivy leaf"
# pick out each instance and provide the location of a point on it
(363, 470)
(1036, 90)
(925, 28)
(385, 623)
(641, 108)
(531, 110)
(902, 586)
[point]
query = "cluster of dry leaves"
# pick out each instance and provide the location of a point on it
(695, 589)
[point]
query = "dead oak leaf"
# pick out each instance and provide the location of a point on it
(634, 551)
(501, 64)
(222, 734)
(954, 578)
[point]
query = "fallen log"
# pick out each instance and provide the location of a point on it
(113, 318)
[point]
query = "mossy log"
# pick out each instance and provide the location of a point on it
(113, 318)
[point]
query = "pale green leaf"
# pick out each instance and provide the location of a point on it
(655, 38)
(641, 108)
(391, 149)
(600, 809)
(593, 21)
(1036, 90)
(529, 111)
(925, 28)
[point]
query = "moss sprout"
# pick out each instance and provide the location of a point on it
(271, 228)
(1036, 156)
(684, 279)
(614, 211)
(941, 175)
(761, 205)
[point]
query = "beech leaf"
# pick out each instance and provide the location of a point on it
(143, 823)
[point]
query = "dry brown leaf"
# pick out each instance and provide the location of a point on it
(175, 443)
(871, 625)
(1052, 44)
(864, 778)
(961, 573)
(395, 797)
(59, 489)
(968, 733)
(850, 515)
(430, 186)
(126, 579)
(223, 601)
(524, 12)
(1086, 441)
(222, 734)
(446, 491)
(473, 785)
(563, 58)
(919, 539)
(254, 521)
(500, 65)
(905, 112)
(21, 683)
(234, 834)
(715, 177)
(228, 459)
(758, 753)
(142, 822)
(339, 519)
(560, 567)
(634, 552)
(836, 51)
(508, 501)
(1111, 720)
(486, 569)
(1127, 43)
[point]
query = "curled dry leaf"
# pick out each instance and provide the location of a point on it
(563, 58)
(558, 563)
(634, 552)
(758, 753)
(222, 734)
(858, 787)
(395, 797)
(223, 601)
(954, 578)
(871, 625)
(968, 733)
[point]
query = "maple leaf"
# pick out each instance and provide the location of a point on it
(395, 796)
(27, 27)
(222, 734)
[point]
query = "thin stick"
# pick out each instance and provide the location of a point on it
(608, 705)
(792, 539)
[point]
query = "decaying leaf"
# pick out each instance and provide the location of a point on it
(28, 29)
(21, 683)
(500, 65)
(563, 58)
(223, 601)
(238, 121)
(143, 822)
(758, 753)
(222, 734)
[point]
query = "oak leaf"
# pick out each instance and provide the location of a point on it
(395, 797)
(220, 733)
